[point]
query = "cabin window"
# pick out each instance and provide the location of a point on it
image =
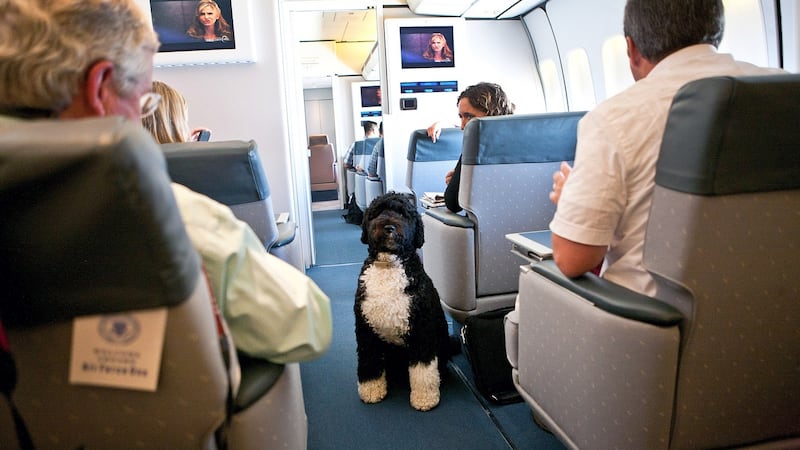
(616, 69)
(745, 34)
(580, 88)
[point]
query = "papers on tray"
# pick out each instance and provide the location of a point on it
(432, 199)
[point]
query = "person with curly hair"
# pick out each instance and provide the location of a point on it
(479, 100)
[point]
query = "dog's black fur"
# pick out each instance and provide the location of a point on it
(399, 320)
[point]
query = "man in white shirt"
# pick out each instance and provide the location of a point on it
(604, 201)
(85, 58)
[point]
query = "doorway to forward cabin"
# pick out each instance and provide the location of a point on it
(331, 41)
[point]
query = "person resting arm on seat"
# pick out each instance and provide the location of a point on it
(603, 202)
(479, 100)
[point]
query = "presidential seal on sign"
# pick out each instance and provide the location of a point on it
(120, 330)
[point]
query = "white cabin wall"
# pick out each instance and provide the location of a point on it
(790, 21)
(319, 112)
(587, 25)
(499, 52)
(595, 30)
(548, 60)
(344, 117)
(246, 101)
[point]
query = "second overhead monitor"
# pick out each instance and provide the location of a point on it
(424, 58)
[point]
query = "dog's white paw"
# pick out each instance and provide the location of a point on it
(373, 391)
(424, 380)
(425, 400)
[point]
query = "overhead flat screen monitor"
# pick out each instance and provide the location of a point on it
(181, 24)
(427, 47)
(370, 96)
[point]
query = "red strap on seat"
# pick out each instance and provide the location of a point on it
(3, 338)
(217, 317)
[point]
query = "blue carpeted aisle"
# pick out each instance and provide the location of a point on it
(337, 419)
(336, 241)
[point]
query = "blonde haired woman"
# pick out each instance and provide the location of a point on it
(438, 50)
(209, 25)
(170, 121)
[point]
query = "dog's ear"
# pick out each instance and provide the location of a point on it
(419, 229)
(364, 225)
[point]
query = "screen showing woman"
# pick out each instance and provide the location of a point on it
(193, 25)
(426, 47)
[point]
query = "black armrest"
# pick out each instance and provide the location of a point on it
(612, 297)
(286, 233)
(450, 218)
(258, 377)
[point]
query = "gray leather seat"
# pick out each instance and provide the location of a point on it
(713, 360)
(429, 161)
(376, 173)
(506, 173)
(322, 163)
(90, 227)
(361, 156)
(231, 173)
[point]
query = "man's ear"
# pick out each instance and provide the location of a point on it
(98, 87)
(633, 53)
(640, 66)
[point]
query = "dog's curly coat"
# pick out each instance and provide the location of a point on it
(397, 310)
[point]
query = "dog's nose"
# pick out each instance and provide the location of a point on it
(389, 228)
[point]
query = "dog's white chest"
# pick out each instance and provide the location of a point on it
(386, 305)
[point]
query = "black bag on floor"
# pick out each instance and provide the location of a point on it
(484, 342)
(354, 214)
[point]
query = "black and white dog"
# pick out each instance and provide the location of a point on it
(399, 320)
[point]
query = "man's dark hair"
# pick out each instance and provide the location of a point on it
(369, 126)
(661, 27)
(489, 98)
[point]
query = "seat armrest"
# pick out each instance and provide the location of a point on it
(258, 377)
(286, 233)
(613, 298)
(450, 218)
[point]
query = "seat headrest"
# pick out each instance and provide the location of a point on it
(446, 148)
(89, 222)
(522, 138)
(364, 146)
(369, 144)
(728, 135)
(317, 139)
(227, 171)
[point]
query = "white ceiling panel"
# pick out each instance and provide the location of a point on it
(452, 8)
(488, 9)
(522, 7)
(338, 26)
